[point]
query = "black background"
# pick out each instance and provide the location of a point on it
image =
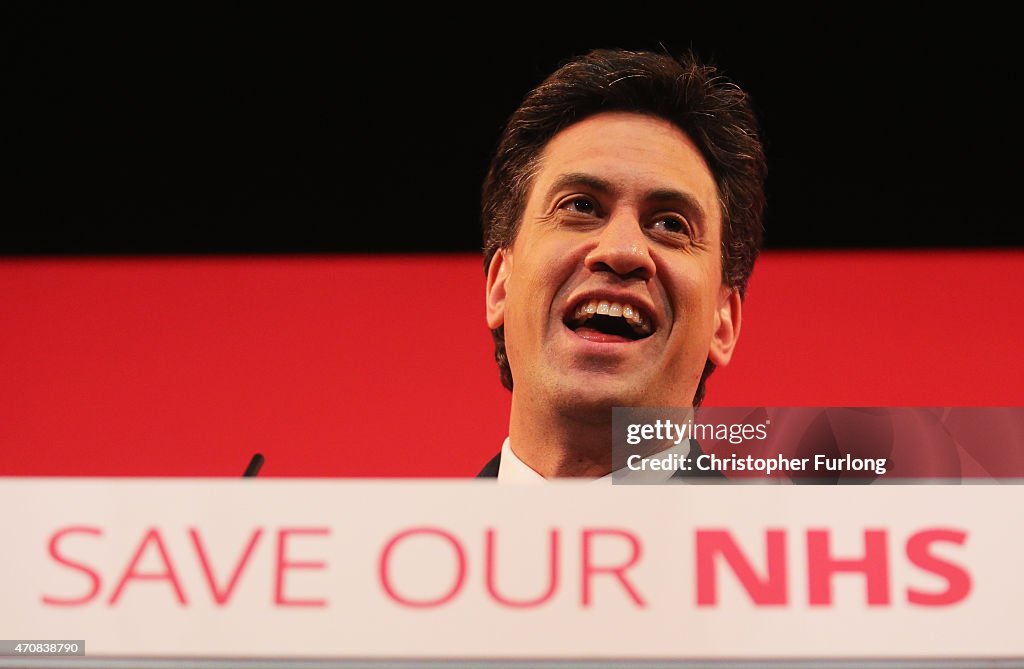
(175, 129)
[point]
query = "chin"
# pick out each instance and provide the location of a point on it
(596, 399)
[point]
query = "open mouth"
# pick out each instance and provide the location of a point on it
(609, 321)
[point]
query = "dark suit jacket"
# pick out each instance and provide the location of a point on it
(490, 470)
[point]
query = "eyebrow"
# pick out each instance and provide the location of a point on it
(670, 195)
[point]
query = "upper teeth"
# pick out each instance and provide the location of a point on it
(585, 310)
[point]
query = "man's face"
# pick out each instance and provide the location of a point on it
(611, 294)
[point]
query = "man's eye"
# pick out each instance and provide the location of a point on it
(580, 205)
(671, 224)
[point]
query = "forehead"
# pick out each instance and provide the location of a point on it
(636, 153)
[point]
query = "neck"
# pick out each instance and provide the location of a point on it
(556, 445)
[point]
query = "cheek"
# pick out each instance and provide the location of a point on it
(544, 269)
(693, 293)
(695, 303)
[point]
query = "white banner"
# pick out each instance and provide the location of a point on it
(324, 568)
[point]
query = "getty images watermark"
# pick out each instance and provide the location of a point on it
(817, 445)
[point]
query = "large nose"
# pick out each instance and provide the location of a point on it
(622, 247)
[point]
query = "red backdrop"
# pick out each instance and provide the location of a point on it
(382, 365)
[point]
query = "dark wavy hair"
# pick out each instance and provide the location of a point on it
(696, 97)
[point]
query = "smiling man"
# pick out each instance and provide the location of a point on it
(622, 216)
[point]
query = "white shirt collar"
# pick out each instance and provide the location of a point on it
(514, 471)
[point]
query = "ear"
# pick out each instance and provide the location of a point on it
(497, 277)
(727, 331)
